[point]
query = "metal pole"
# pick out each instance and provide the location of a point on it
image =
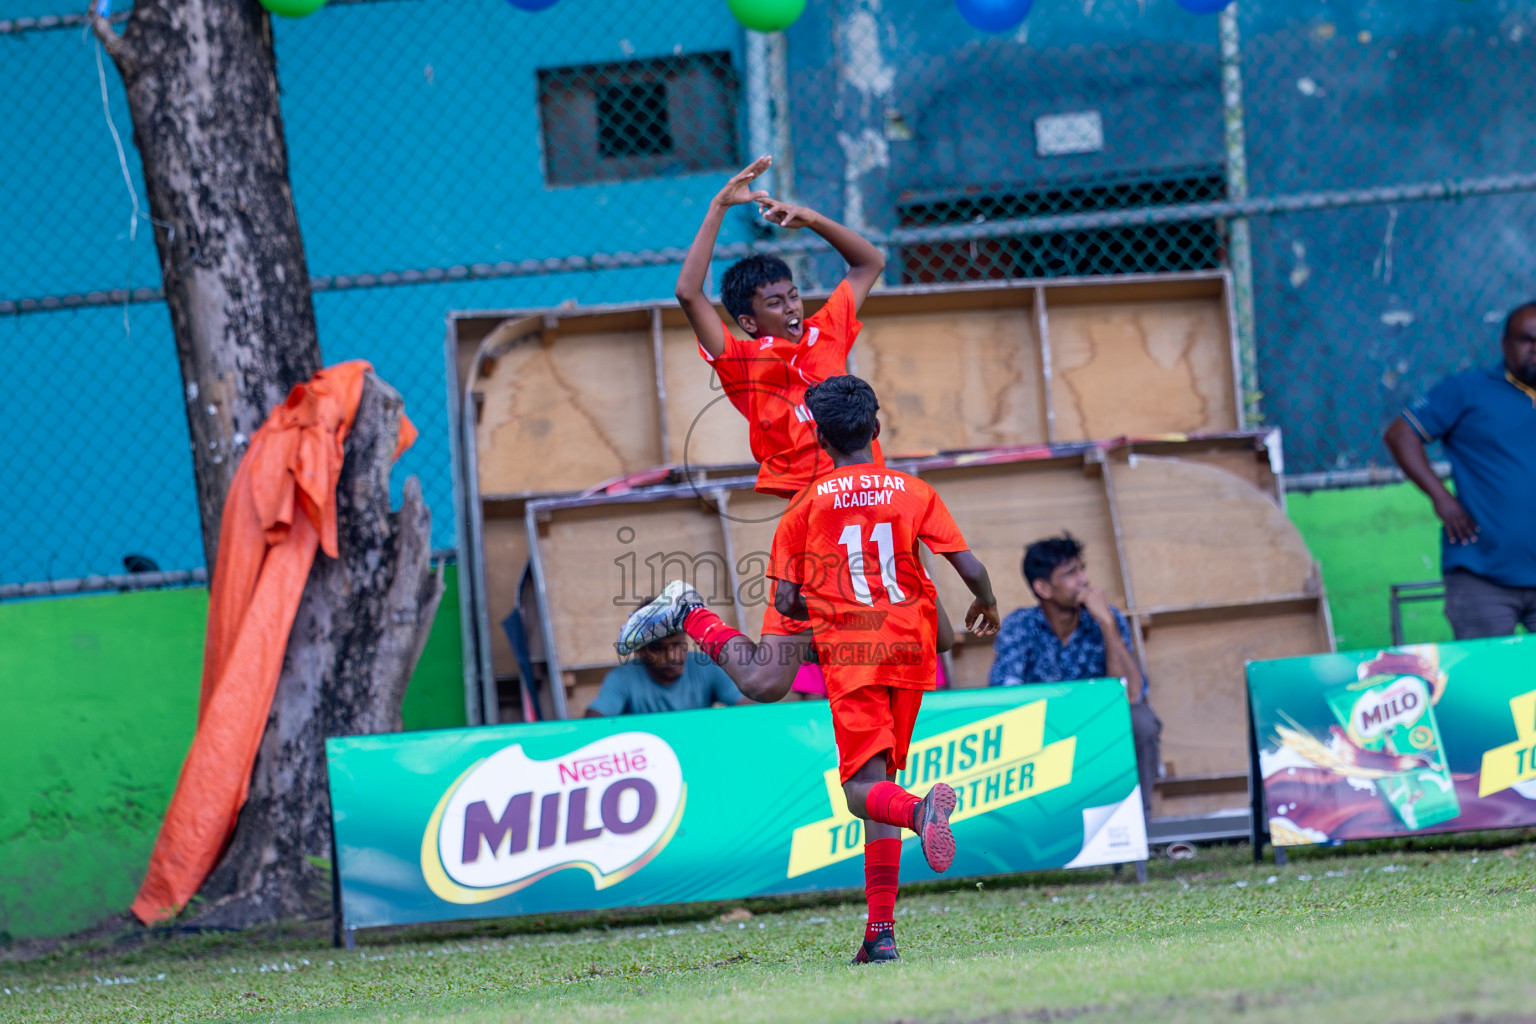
(469, 633)
(338, 919)
(552, 666)
(759, 106)
(781, 145)
(1239, 238)
(1258, 824)
(781, 139)
(864, 81)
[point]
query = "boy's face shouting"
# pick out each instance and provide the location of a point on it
(776, 312)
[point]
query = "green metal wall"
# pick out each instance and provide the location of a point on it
(98, 702)
(1367, 539)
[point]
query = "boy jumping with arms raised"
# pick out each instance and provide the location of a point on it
(846, 558)
(766, 374)
(765, 377)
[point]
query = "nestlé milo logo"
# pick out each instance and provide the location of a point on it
(608, 808)
(1379, 711)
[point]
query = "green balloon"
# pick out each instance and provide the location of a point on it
(293, 8)
(767, 15)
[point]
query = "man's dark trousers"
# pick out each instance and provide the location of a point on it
(1477, 607)
(1146, 730)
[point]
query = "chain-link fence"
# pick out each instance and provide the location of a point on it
(1366, 170)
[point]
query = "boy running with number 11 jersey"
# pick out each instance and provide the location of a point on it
(846, 558)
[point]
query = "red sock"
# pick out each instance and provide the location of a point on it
(882, 864)
(709, 631)
(890, 804)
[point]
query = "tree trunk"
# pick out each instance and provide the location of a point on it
(202, 89)
(201, 79)
(359, 630)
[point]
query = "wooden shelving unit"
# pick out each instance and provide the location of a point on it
(1008, 396)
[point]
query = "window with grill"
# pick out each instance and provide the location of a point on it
(1195, 245)
(638, 119)
(632, 120)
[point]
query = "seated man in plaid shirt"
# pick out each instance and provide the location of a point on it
(1074, 634)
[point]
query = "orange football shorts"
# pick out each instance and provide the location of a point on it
(870, 719)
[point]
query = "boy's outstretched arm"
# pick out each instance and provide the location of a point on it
(690, 280)
(981, 618)
(865, 262)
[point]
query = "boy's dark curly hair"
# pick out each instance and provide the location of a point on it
(845, 409)
(745, 277)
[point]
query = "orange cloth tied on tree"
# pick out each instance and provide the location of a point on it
(281, 506)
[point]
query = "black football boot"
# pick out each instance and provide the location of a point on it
(879, 950)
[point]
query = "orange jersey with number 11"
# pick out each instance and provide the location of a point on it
(850, 540)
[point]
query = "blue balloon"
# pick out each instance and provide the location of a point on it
(1204, 6)
(994, 15)
(532, 5)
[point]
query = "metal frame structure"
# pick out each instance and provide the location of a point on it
(1409, 593)
(479, 673)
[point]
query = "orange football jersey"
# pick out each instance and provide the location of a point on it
(765, 379)
(850, 540)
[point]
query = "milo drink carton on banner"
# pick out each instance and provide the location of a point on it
(1393, 715)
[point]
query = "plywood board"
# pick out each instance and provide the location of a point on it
(957, 367)
(1197, 535)
(600, 562)
(1243, 455)
(567, 415)
(1248, 466)
(954, 380)
(505, 554)
(1113, 288)
(703, 427)
(1002, 509)
(1141, 368)
(490, 337)
(1196, 679)
(949, 298)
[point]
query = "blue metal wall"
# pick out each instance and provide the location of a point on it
(413, 132)
(414, 142)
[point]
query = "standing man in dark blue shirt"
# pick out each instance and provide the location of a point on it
(1486, 419)
(1074, 633)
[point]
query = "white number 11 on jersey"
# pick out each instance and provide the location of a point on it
(852, 540)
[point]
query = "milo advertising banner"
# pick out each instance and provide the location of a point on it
(1379, 743)
(717, 804)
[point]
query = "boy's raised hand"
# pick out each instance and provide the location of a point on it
(739, 189)
(787, 215)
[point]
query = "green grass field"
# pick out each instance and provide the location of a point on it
(1380, 937)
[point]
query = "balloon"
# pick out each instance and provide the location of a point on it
(532, 5)
(766, 15)
(994, 15)
(293, 8)
(1204, 6)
